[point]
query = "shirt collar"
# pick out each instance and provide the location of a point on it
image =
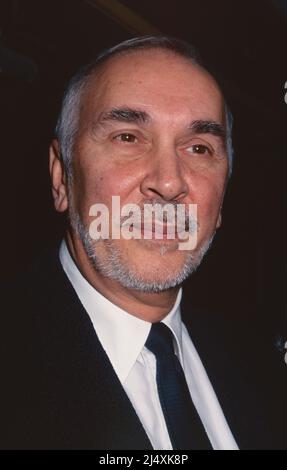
(121, 334)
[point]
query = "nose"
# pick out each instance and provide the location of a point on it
(164, 176)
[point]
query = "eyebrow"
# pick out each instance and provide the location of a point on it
(209, 127)
(125, 115)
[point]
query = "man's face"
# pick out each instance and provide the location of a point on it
(144, 136)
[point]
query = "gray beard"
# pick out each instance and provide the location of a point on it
(113, 267)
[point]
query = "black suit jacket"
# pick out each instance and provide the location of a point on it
(59, 390)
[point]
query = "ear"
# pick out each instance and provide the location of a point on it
(219, 219)
(58, 178)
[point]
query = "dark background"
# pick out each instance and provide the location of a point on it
(42, 43)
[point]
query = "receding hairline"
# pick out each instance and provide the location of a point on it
(101, 68)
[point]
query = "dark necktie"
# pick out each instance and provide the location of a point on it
(184, 426)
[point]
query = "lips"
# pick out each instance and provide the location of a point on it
(155, 230)
(168, 226)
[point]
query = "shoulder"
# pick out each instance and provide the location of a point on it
(246, 369)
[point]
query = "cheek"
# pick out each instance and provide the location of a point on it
(208, 198)
(98, 184)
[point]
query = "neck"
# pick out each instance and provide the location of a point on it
(151, 307)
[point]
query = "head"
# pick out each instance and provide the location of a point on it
(144, 121)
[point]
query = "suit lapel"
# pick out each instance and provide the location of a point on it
(87, 402)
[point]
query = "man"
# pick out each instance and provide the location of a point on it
(103, 358)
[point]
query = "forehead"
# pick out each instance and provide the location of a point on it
(160, 82)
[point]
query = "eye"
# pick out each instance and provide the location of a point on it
(199, 149)
(126, 137)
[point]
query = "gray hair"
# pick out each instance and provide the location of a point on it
(68, 120)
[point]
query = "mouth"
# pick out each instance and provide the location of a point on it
(155, 230)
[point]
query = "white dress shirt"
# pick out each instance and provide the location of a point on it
(123, 338)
